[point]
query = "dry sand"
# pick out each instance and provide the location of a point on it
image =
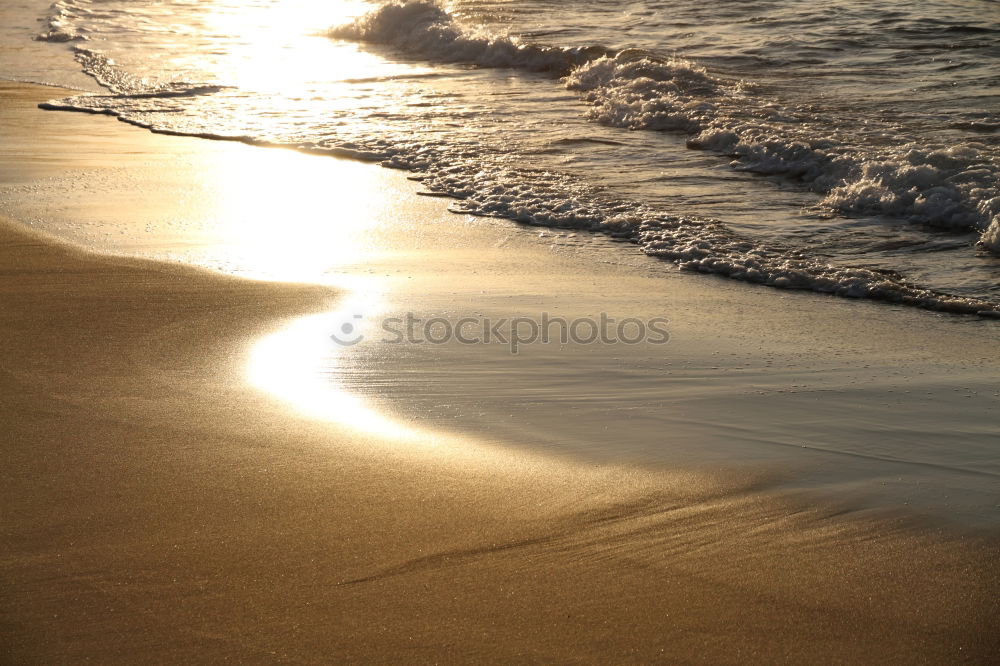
(156, 508)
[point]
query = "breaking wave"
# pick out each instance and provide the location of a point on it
(951, 187)
(428, 31)
(60, 25)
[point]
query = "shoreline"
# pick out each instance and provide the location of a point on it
(423, 250)
(157, 506)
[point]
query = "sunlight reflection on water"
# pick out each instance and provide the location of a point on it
(299, 365)
(282, 215)
(269, 49)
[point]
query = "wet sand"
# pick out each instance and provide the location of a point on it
(156, 507)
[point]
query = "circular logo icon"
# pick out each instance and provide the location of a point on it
(347, 334)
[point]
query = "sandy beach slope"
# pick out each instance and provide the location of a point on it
(156, 508)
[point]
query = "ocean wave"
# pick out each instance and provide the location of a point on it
(950, 187)
(57, 34)
(59, 25)
(129, 87)
(426, 30)
(547, 199)
(103, 70)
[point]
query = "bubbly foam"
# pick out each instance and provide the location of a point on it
(60, 25)
(426, 30)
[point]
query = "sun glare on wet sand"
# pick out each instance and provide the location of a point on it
(324, 226)
(299, 365)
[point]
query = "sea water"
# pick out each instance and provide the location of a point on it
(846, 147)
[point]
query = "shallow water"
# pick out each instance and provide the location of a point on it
(848, 147)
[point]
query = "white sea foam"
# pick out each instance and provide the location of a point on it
(426, 30)
(60, 25)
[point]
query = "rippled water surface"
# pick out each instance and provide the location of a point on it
(848, 147)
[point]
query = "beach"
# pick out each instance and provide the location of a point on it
(160, 506)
